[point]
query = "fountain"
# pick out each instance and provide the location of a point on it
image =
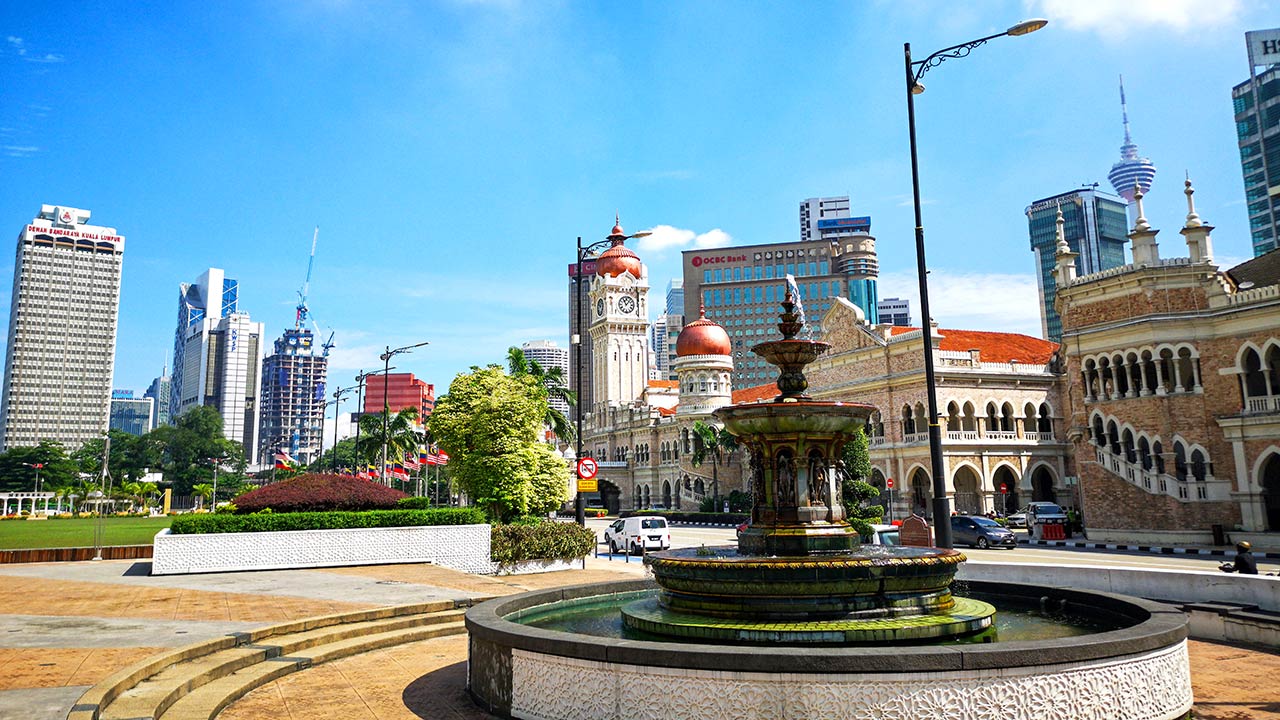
(797, 575)
(799, 621)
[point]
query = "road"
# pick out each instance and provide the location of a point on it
(691, 536)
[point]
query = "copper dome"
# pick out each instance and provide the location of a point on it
(703, 337)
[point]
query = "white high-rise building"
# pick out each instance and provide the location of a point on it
(549, 355)
(62, 330)
(217, 356)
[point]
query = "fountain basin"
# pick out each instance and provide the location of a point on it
(1136, 672)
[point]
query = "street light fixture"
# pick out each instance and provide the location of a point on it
(915, 71)
(615, 238)
(386, 407)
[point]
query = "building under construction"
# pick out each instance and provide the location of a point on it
(293, 400)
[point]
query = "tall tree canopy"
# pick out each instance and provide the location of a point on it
(191, 444)
(554, 386)
(488, 423)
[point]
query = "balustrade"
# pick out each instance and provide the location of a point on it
(1210, 489)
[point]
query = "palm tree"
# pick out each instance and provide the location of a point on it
(402, 436)
(149, 491)
(204, 491)
(557, 388)
(132, 491)
(712, 442)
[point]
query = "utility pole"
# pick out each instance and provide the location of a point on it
(103, 493)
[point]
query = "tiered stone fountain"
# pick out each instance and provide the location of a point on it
(798, 574)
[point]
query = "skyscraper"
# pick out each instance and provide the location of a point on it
(1258, 128)
(895, 311)
(664, 332)
(549, 355)
(815, 210)
(132, 415)
(578, 304)
(741, 288)
(217, 355)
(293, 399)
(62, 330)
(1095, 228)
(159, 392)
(1132, 172)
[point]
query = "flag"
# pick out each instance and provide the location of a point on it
(410, 463)
(423, 455)
(444, 458)
(283, 461)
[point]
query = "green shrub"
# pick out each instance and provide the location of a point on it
(595, 512)
(542, 541)
(272, 522)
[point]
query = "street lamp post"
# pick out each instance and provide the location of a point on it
(579, 503)
(37, 467)
(914, 71)
(337, 404)
(386, 407)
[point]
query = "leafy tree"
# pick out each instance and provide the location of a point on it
(712, 442)
(855, 492)
(131, 456)
(399, 432)
(554, 386)
(191, 443)
(488, 423)
(18, 471)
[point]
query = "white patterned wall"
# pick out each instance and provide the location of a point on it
(461, 547)
(1147, 686)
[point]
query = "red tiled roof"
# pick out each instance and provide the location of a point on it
(752, 394)
(668, 384)
(666, 412)
(992, 346)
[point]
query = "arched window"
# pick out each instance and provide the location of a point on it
(1113, 437)
(1126, 444)
(1006, 418)
(1199, 465)
(1029, 418)
(1255, 381)
(1044, 423)
(1179, 461)
(1144, 453)
(908, 422)
(1099, 432)
(993, 417)
(1121, 375)
(953, 417)
(1157, 454)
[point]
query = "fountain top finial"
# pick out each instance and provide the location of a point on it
(791, 323)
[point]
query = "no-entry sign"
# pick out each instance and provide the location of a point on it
(1004, 488)
(587, 468)
(889, 483)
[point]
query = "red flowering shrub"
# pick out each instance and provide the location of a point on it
(314, 492)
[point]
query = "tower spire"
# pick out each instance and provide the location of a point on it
(1132, 171)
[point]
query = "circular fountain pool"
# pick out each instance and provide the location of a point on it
(1091, 655)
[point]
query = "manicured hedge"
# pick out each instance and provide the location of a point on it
(317, 492)
(417, 503)
(194, 524)
(716, 518)
(542, 541)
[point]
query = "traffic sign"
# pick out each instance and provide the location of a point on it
(889, 483)
(588, 486)
(587, 469)
(1004, 488)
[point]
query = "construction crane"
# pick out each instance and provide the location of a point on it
(304, 312)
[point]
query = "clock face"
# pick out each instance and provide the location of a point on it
(600, 307)
(626, 304)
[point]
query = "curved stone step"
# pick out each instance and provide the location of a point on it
(150, 689)
(205, 702)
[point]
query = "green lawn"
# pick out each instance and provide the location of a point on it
(25, 534)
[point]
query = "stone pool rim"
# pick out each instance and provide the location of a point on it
(1162, 627)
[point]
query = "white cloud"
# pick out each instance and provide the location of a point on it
(46, 58)
(998, 302)
(664, 237)
(20, 151)
(1115, 20)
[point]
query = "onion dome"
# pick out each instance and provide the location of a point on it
(703, 337)
(618, 258)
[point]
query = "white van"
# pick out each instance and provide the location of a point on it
(637, 534)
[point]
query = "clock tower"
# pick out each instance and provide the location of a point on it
(619, 297)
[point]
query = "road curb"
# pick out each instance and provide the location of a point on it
(1156, 549)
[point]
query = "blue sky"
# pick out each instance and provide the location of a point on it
(452, 152)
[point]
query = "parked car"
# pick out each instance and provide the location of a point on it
(1037, 510)
(980, 532)
(882, 535)
(637, 534)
